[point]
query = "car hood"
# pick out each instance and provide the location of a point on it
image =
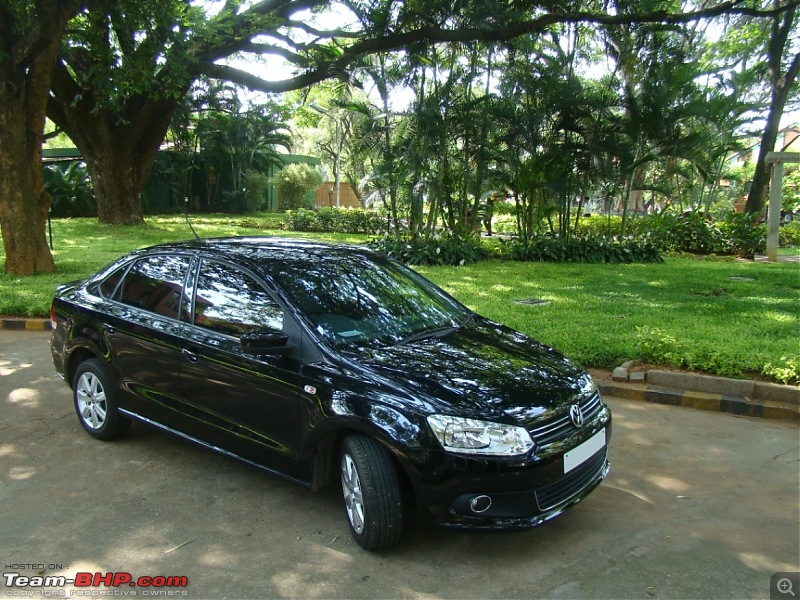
(482, 370)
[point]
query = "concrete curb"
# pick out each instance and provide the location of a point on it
(26, 324)
(735, 396)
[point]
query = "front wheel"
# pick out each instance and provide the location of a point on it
(95, 401)
(371, 492)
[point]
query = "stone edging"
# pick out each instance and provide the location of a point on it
(26, 324)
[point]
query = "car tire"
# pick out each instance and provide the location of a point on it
(95, 401)
(371, 491)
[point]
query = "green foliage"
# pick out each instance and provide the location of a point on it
(583, 250)
(742, 235)
(256, 184)
(790, 200)
(687, 232)
(438, 250)
(604, 225)
(71, 190)
(341, 220)
(787, 371)
(694, 233)
(295, 181)
(504, 223)
(655, 345)
(790, 234)
(242, 142)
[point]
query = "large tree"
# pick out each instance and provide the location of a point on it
(30, 34)
(126, 65)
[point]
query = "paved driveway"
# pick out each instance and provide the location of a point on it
(697, 505)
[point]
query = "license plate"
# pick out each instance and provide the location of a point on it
(578, 456)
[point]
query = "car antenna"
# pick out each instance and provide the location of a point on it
(186, 216)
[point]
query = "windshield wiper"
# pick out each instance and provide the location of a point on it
(438, 332)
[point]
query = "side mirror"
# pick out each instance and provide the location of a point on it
(264, 341)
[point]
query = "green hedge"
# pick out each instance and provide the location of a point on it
(335, 220)
(693, 232)
(439, 250)
(584, 250)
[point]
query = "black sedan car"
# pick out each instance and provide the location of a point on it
(320, 362)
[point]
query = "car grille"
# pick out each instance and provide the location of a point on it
(572, 483)
(557, 427)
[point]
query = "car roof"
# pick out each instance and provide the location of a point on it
(261, 249)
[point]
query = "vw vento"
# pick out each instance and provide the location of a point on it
(323, 363)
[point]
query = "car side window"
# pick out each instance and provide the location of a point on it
(230, 301)
(155, 284)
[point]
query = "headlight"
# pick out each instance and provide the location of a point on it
(471, 436)
(588, 386)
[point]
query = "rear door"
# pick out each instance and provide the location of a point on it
(143, 331)
(235, 400)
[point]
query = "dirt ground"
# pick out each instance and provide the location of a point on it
(697, 505)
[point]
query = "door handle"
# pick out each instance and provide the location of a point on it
(109, 328)
(191, 356)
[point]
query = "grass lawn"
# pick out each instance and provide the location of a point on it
(719, 316)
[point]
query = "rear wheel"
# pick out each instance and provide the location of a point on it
(371, 492)
(95, 401)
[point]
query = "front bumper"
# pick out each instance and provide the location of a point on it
(484, 493)
(523, 510)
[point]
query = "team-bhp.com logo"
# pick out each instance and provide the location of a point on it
(94, 580)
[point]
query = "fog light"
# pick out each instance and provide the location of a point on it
(480, 504)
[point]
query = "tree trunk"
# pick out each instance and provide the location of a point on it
(781, 83)
(23, 202)
(28, 54)
(118, 180)
(119, 144)
(759, 190)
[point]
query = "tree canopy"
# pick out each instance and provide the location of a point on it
(113, 73)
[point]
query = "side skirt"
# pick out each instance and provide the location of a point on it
(217, 449)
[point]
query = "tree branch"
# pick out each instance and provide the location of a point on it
(288, 55)
(495, 32)
(255, 83)
(325, 33)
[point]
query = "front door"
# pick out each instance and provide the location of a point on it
(235, 400)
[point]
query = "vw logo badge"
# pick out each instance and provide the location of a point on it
(576, 415)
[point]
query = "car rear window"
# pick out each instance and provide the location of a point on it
(155, 284)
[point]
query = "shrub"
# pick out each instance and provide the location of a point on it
(790, 234)
(256, 184)
(742, 235)
(233, 201)
(583, 250)
(601, 225)
(504, 223)
(295, 181)
(695, 233)
(440, 250)
(687, 232)
(71, 190)
(338, 220)
(788, 372)
(657, 346)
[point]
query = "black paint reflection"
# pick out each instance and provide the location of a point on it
(351, 303)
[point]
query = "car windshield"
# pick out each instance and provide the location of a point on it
(355, 300)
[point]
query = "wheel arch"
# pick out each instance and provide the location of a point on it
(76, 357)
(325, 453)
